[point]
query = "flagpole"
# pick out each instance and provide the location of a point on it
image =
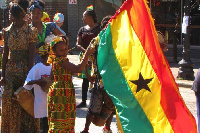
(186, 65)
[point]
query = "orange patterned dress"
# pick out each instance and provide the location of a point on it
(14, 119)
(61, 100)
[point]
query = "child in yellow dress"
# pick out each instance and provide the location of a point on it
(61, 96)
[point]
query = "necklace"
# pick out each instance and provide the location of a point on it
(41, 39)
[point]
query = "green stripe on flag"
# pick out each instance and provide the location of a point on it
(131, 115)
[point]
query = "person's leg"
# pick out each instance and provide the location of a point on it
(45, 125)
(106, 128)
(109, 105)
(89, 119)
(108, 122)
(85, 86)
(85, 89)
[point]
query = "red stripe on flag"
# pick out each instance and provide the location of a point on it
(171, 101)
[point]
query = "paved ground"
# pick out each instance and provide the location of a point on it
(185, 85)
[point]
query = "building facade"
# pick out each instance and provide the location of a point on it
(167, 15)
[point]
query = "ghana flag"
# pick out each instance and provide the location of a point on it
(137, 76)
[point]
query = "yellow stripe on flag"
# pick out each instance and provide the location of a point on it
(135, 60)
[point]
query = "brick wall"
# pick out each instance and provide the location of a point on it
(75, 14)
(72, 23)
(51, 7)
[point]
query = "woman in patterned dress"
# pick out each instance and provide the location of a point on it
(44, 29)
(61, 96)
(19, 46)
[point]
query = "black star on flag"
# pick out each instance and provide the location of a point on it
(141, 83)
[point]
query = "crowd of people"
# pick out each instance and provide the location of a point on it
(28, 59)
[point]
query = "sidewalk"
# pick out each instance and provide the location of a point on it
(175, 68)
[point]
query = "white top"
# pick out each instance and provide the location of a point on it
(196, 83)
(40, 101)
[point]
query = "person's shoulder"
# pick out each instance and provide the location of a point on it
(45, 66)
(8, 28)
(35, 68)
(81, 30)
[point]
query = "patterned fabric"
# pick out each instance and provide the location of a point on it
(56, 40)
(61, 100)
(82, 75)
(50, 27)
(97, 99)
(14, 119)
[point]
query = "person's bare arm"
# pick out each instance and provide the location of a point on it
(32, 47)
(39, 82)
(78, 44)
(78, 68)
(74, 68)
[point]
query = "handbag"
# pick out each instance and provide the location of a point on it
(26, 99)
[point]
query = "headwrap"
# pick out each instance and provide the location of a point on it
(56, 40)
(44, 49)
(36, 4)
(51, 53)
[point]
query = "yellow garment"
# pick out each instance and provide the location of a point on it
(45, 17)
